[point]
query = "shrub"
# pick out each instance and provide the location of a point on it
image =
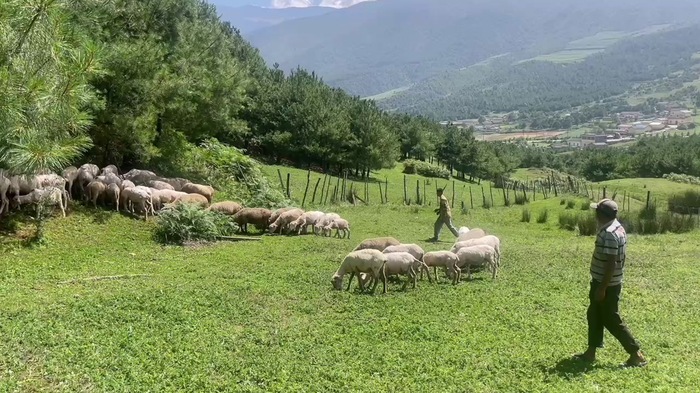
(585, 205)
(521, 199)
(688, 203)
(648, 213)
(543, 216)
(587, 224)
(568, 220)
(189, 223)
(487, 204)
(425, 169)
(663, 223)
(527, 216)
(562, 202)
(685, 179)
(570, 204)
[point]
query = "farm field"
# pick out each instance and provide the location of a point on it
(518, 135)
(262, 317)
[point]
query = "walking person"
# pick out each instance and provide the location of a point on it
(607, 268)
(444, 217)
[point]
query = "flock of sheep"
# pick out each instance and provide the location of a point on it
(377, 259)
(142, 192)
(138, 191)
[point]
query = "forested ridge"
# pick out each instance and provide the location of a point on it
(505, 85)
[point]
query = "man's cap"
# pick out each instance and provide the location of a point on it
(606, 205)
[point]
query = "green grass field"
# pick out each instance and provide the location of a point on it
(387, 94)
(262, 317)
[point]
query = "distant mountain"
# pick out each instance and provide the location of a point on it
(375, 47)
(249, 19)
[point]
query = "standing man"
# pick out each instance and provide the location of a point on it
(607, 267)
(444, 216)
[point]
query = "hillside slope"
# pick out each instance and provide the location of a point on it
(379, 46)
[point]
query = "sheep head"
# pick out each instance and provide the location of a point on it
(337, 282)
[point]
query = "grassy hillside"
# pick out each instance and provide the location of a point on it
(261, 316)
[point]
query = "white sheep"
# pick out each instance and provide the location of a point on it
(365, 261)
(339, 225)
(401, 263)
(70, 175)
(126, 184)
(490, 240)
(139, 176)
(323, 222)
(444, 259)
(110, 169)
(463, 231)
(50, 196)
(5, 184)
(307, 219)
(286, 218)
(412, 249)
(472, 234)
(379, 243)
(474, 256)
(95, 190)
(86, 174)
(160, 185)
(140, 197)
(113, 192)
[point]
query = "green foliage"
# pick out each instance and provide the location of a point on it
(687, 203)
(45, 98)
(585, 205)
(562, 202)
(425, 169)
(543, 216)
(568, 220)
(189, 223)
(639, 223)
(648, 212)
(570, 204)
(526, 216)
(587, 224)
(521, 198)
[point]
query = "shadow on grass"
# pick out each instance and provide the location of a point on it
(570, 367)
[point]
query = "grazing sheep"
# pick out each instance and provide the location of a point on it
(160, 185)
(472, 234)
(380, 244)
(95, 190)
(200, 189)
(277, 213)
(357, 262)
(86, 174)
(169, 196)
(110, 178)
(139, 176)
(23, 185)
(50, 180)
(307, 219)
(191, 199)
(442, 259)
(404, 264)
(324, 221)
(412, 249)
(227, 208)
(492, 241)
(463, 230)
(285, 219)
(138, 197)
(126, 184)
(156, 200)
(70, 175)
(339, 225)
(474, 256)
(113, 192)
(256, 216)
(51, 196)
(110, 169)
(5, 184)
(176, 182)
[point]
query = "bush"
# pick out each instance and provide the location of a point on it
(425, 169)
(526, 217)
(568, 220)
(663, 223)
(562, 202)
(688, 203)
(543, 216)
(487, 204)
(685, 179)
(190, 223)
(570, 204)
(521, 199)
(585, 205)
(648, 213)
(587, 224)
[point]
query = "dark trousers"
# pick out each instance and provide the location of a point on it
(606, 315)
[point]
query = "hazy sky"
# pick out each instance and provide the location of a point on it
(288, 3)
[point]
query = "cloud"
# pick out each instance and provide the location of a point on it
(311, 3)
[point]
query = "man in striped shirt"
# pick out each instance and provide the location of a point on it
(607, 269)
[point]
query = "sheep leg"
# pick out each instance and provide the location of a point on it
(469, 271)
(427, 271)
(458, 275)
(361, 284)
(352, 275)
(348, 231)
(494, 269)
(435, 273)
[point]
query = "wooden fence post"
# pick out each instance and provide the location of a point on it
(381, 196)
(604, 192)
(323, 187)
(425, 195)
(471, 198)
(386, 190)
(289, 195)
(405, 191)
(453, 194)
(648, 198)
(418, 201)
(308, 179)
(313, 199)
(491, 192)
(483, 197)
